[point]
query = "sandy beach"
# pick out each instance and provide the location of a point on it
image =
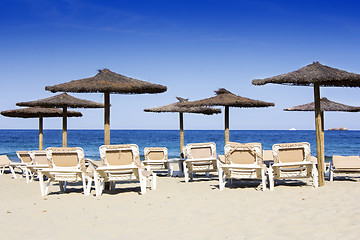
(179, 210)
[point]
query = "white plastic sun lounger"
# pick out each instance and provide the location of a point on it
(200, 157)
(66, 165)
(121, 163)
(242, 161)
(292, 161)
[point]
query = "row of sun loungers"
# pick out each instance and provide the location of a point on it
(121, 163)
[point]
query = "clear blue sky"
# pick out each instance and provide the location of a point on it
(192, 47)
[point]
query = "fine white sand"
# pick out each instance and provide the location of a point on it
(179, 210)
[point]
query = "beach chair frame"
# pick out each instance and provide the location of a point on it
(250, 167)
(64, 170)
(303, 168)
(344, 165)
(158, 164)
(110, 172)
(194, 164)
(5, 162)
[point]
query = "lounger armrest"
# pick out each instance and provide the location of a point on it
(247, 166)
(200, 159)
(92, 162)
(292, 164)
(60, 170)
(221, 158)
(105, 168)
(154, 161)
(18, 164)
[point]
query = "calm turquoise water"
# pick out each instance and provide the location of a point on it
(336, 142)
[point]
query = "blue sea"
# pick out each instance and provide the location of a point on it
(336, 142)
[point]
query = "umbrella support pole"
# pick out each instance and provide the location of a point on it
(319, 127)
(64, 133)
(40, 133)
(227, 124)
(181, 120)
(107, 118)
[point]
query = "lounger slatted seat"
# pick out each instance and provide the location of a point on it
(242, 161)
(200, 157)
(120, 163)
(156, 159)
(344, 165)
(66, 165)
(291, 161)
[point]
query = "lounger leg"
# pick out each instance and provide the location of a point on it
(88, 190)
(47, 187)
(315, 176)
(112, 185)
(12, 172)
(191, 177)
(61, 186)
(207, 174)
(27, 175)
(97, 183)
(186, 173)
(171, 171)
(331, 173)
(221, 179)
(263, 176)
(84, 184)
(41, 181)
(2, 171)
(271, 179)
(153, 181)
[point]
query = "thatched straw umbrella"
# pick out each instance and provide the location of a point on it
(108, 82)
(176, 107)
(37, 112)
(317, 75)
(325, 105)
(227, 99)
(62, 101)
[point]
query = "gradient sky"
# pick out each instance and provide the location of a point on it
(192, 47)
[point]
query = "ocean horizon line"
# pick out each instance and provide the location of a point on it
(143, 129)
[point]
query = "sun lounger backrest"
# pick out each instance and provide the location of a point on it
(66, 157)
(4, 160)
(268, 155)
(24, 156)
(200, 150)
(119, 155)
(291, 152)
(238, 153)
(156, 153)
(39, 157)
(346, 162)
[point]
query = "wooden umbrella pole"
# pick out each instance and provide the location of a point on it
(323, 140)
(64, 133)
(227, 124)
(181, 120)
(319, 134)
(107, 118)
(40, 133)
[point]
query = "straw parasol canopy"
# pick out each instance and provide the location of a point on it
(228, 99)
(38, 112)
(325, 105)
(62, 101)
(106, 81)
(178, 107)
(312, 74)
(316, 75)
